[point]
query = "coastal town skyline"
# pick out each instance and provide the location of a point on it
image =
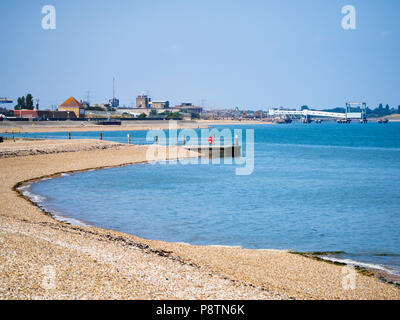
(218, 55)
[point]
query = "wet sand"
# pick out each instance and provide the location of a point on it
(42, 258)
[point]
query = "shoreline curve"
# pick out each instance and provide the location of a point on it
(245, 273)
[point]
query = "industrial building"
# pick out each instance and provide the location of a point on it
(189, 108)
(159, 104)
(41, 115)
(142, 101)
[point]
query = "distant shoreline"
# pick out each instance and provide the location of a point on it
(84, 126)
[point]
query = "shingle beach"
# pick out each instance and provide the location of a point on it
(43, 258)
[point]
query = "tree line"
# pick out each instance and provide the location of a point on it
(380, 111)
(25, 102)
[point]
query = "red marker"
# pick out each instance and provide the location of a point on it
(210, 140)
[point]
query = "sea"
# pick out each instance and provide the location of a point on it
(329, 187)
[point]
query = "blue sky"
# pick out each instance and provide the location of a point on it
(252, 54)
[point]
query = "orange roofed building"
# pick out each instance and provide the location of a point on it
(73, 105)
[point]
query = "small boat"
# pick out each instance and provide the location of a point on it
(108, 123)
(283, 121)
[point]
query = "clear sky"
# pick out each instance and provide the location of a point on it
(252, 54)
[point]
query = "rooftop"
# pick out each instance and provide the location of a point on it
(71, 102)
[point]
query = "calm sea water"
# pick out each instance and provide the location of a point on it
(325, 187)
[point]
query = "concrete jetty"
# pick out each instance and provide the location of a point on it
(214, 151)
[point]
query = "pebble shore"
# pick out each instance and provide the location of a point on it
(42, 258)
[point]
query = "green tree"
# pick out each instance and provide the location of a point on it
(174, 115)
(304, 108)
(387, 109)
(153, 113)
(29, 101)
(142, 116)
(20, 103)
(24, 102)
(379, 111)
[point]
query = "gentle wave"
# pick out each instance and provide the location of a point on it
(39, 200)
(34, 197)
(355, 263)
(27, 186)
(62, 218)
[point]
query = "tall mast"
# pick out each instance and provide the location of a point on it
(113, 89)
